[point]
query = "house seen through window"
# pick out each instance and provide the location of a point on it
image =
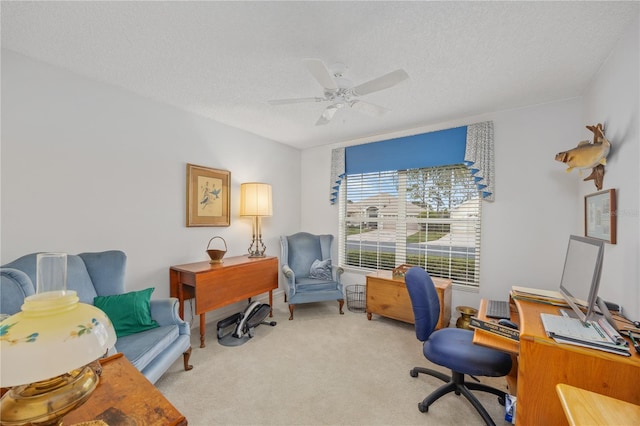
(428, 217)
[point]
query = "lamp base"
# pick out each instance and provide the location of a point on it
(257, 247)
(47, 402)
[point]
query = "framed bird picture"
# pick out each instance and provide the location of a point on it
(208, 196)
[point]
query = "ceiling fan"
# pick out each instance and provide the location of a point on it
(341, 92)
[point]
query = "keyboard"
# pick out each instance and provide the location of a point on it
(498, 309)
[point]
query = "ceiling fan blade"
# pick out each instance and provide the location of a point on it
(327, 115)
(294, 101)
(321, 73)
(369, 108)
(381, 83)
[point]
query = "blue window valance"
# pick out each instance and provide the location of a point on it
(410, 152)
(471, 145)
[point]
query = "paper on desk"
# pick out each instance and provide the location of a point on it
(552, 294)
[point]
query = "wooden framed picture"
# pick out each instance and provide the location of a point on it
(208, 196)
(600, 215)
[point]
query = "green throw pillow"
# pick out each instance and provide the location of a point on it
(130, 313)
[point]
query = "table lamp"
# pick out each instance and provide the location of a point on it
(255, 200)
(46, 349)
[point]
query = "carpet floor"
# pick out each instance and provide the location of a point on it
(322, 368)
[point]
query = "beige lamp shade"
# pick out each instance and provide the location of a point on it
(255, 199)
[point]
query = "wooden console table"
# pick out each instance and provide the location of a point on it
(389, 297)
(125, 397)
(213, 286)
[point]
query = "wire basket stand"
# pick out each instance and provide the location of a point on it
(356, 301)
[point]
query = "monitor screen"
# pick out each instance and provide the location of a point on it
(581, 275)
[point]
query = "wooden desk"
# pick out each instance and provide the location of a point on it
(584, 408)
(213, 286)
(125, 397)
(389, 298)
(542, 364)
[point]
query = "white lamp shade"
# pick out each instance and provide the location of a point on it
(255, 199)
(53, 334)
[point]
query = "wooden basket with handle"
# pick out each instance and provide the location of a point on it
(216, 255)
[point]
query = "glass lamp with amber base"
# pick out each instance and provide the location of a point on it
(48, 350)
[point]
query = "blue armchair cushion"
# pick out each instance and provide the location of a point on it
(16, 286)
(78, 278)
(321, 270)
(130, 312)
(303, 250)
(142, 348)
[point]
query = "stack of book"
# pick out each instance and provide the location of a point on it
(550, 297)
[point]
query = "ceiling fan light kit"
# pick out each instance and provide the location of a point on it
(340, 91)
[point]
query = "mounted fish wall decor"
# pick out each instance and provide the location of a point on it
(589, 155)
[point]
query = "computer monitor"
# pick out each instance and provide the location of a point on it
(581, 275)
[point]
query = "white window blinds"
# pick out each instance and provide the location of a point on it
(428, 217)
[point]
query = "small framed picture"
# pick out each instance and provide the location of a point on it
(208, 196)
(600, 215)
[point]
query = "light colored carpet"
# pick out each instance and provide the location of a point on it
(322, 368)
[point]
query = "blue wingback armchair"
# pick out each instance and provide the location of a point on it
(307, 281)
(102, 274)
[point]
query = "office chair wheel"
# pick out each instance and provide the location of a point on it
(423, 408)
(413, 373)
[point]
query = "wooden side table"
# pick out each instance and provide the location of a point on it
(125, 397)
(213, 286)
(389, 297)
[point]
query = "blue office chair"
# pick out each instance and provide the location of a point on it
(451, 348)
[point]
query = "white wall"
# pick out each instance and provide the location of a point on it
(528, 224)
(613, 99)
(89, 167)
(537, 205)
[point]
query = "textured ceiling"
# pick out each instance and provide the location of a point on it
(225, 60)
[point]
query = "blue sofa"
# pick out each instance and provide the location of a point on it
(102, 274)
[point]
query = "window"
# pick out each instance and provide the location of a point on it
(428, 217)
